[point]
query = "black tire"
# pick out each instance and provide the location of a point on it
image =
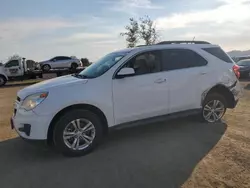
(211, 97)
(65, 120)
(46, 67)
(74, 66)
(2, 80)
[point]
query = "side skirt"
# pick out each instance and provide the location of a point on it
(156, 119)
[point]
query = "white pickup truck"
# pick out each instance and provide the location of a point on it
(18, 69)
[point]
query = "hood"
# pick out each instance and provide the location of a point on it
(49, 84)
(42, 62)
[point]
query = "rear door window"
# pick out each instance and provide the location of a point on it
(181, 58)
(219, 53)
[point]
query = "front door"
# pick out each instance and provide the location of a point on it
(13, 68)
(144, 94)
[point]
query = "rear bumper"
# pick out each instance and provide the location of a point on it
(244, 73)
(235, 103)
(237, 92)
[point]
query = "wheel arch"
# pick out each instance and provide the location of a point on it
(89, 107)
(224, 91)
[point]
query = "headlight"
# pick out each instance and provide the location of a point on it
(33, 100)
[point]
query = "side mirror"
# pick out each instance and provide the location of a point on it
(125, 72)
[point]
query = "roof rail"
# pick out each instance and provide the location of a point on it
(184, 42)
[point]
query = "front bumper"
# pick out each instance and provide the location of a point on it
(29, 125)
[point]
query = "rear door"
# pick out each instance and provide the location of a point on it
(185, 70)
(66, 62)
(144, 94)
(63, 62)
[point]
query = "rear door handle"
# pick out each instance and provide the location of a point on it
(160, 80)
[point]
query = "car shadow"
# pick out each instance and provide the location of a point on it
(154, 155)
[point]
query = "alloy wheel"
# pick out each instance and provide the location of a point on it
(79, 134)
(213, 111)
(46, 67)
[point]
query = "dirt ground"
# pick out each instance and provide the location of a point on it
(226, 165)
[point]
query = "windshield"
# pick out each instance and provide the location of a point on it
(102, 65)
(244, 63)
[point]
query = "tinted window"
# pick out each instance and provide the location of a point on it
(61, 58)
(65, 58)
(181, 58)
(219, 53)
(144, 63)
(12, 63)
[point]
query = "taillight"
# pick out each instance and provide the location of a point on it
(236, 70)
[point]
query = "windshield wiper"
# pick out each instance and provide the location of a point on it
(79, 76)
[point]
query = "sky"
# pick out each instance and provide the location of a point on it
(39, 30)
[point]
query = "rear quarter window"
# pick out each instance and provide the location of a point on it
(219, 53)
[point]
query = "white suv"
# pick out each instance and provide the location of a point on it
(144, 83)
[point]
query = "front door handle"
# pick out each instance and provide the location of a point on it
(160, 80)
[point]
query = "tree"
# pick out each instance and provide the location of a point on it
(148, 31)
(144, 30)
(85, 62)
(14, 57)
(132, 34)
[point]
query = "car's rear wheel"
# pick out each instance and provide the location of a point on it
(214, 108)
(77, 132)
(74, 66)
(2, 80)
(46, 67)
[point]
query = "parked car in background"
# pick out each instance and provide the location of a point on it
(19, 69)
(238, 58)
(244, 68)
(60, 62)
(129, 86)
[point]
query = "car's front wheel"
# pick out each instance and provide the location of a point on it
(77, 132)
(46, 67)
(214, 108)
(2, 81)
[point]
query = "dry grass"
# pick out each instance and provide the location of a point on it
(226, 165)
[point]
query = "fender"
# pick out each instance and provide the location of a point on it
(2, 73)
(222, 88)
